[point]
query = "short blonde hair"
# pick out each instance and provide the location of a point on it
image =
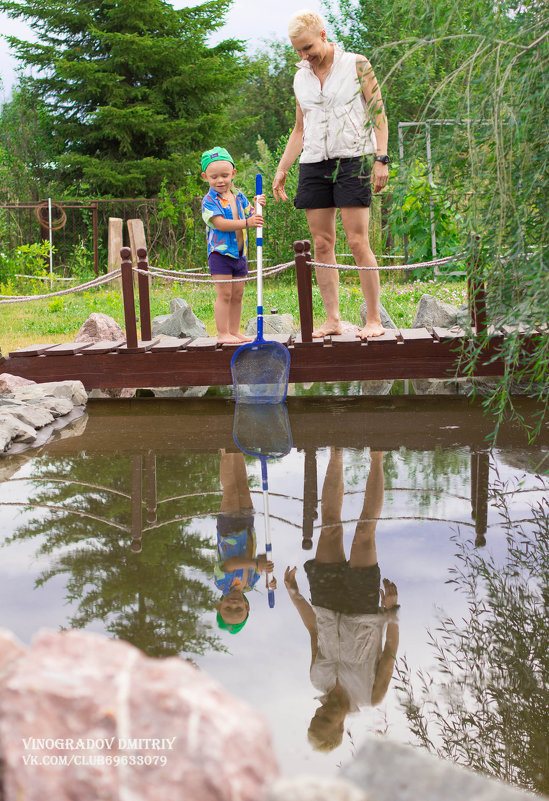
(305, 20)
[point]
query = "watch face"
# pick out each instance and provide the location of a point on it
(383, 159)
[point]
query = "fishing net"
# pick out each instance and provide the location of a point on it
(260, 373)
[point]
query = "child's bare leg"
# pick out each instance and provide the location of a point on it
(363, 549)
(230, 500)
(223, 289)
(235, 311)
(355, 223)
(330, 542)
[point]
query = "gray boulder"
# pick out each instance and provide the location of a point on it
(10, 382)
(272, 324)
(72, 390)
(182, 322)
(14, 430)
(375, 387)
(386, 320)
(434, 312)
(421, 775)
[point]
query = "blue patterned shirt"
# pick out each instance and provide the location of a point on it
(225, 242)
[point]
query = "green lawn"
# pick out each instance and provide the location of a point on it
(58, 319)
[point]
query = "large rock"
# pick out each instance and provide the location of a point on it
(13, 430)
(316, 788)
(89, 697)
(182, 322)
(72, 390)
(388, 770)
(386, 320)
(33, 415)
(98, 327)
(434, 312)
(10, 382)
(272, 324)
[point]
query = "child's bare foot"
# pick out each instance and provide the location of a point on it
(371, 330)
(227, 339)
(328, 328)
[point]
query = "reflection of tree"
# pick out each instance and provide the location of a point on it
(156, 598)
(428, 475)
(490, 707)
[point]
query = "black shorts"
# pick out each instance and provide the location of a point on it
(334, 183)
(342, 588)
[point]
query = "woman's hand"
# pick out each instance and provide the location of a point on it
(380, 176)
(290, 580)
(279, 182)
(389, 594)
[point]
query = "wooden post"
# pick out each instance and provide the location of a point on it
(136, 502)
(115, 242)
(151, 500)
(137, 237)
(95, 228)
(302, 250)
(310, 498)
(144, 298)
(129, 300)
(476, 290)
(480, 471)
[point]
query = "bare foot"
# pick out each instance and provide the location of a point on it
(227, 339)
(371, 330)
(243, 338)
(326, 329)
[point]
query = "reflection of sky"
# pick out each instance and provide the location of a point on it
(269, 660)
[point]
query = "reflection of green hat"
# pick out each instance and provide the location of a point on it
(233, 628)
(215, 154)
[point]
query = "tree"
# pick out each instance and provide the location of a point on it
(265, 99)
(27, 151)
(481, 68)
(133, 90)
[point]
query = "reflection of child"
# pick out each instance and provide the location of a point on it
(349, 664)
(228, 215)
(238, 568)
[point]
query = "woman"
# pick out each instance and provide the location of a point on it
(340, 119)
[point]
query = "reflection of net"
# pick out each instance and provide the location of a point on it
(262, 430)
(260, 373)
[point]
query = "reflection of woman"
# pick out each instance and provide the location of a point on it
(350, 664)
(238, 568)
(340, 119)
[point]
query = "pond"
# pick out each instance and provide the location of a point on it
(116, 530)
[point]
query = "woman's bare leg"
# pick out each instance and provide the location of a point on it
(330, 542)
(355, 224)
(363, 549)
(322, 227)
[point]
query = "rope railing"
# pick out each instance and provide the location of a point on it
(182, 276)
(391, 267)
(103, 279)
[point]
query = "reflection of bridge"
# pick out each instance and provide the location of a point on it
(143, 430)
(148, 362)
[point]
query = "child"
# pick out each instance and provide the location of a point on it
(228, 215)
(238, 567)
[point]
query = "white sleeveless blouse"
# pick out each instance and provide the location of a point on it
(335, 116)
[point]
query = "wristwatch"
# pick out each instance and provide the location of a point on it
(383, 159)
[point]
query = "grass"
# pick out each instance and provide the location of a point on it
(59, 319)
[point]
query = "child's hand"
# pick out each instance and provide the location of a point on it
(264, 564)
(259, 199)
(255, 221)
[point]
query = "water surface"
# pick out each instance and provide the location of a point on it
(115, 530)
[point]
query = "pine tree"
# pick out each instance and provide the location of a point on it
(133, 89)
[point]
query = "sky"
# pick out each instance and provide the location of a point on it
(247, 19)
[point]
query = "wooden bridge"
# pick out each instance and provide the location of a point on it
(148, 362)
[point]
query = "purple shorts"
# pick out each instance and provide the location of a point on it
(220, 264)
